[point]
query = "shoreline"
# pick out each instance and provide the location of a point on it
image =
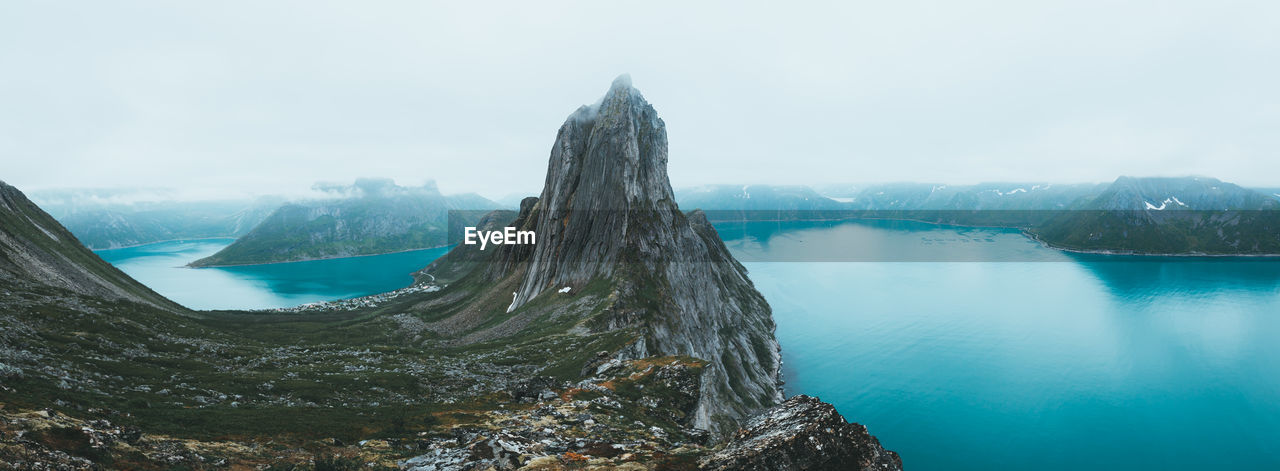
(1025, 232)
(134, 246)
(312, 259)
(1119, 253)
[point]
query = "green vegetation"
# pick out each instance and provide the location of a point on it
(350, 375)
(1171, 232)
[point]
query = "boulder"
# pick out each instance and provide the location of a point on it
(802, 433)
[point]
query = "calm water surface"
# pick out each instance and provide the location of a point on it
(960, 348)
(161, 267)
(1033, 359)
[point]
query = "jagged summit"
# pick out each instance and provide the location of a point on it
(608, 166)
(607, 214)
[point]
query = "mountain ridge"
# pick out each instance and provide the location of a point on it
(1130, 215)
(370, 217)
(39, 251)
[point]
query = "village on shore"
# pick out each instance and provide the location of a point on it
(362, 302)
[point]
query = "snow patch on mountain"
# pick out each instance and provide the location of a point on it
(1011, 192)
(1166, 202)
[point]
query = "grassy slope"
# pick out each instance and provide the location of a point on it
(350, 375)
(22, 222)
(207, 375)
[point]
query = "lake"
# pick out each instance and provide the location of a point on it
(960, 348)
(1023, 357)
(161, 266)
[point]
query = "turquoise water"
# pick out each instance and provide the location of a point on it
(160, 266)
(1034, 359)
(960, 348)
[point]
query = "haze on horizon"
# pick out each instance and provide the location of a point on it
(269, 98)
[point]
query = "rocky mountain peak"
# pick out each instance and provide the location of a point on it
(607, 175)
(620, 145)
(607, 212)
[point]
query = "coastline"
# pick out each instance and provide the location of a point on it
(163, 241)
(1121, 253)
(313, 259)
(1027, 233)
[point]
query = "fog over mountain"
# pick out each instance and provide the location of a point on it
(268, 98)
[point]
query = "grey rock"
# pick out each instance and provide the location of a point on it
(802, 433)
(607, 211)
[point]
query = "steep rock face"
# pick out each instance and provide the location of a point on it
(802, 433)
(607, 211)
(35, 251)
(608, 169)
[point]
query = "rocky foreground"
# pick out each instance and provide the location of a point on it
(803, 433)
(542, 426)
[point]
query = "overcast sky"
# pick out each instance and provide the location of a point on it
(269, 97)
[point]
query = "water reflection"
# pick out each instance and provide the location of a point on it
(877, 240)
(1128, 276)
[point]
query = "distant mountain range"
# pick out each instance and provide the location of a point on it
(102, 221)
(756, 197)
(1189, 215)
(372, 216)
(376, 216)
(888, 197)
(983, 196)
(1188, 193)
(1168, 216)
